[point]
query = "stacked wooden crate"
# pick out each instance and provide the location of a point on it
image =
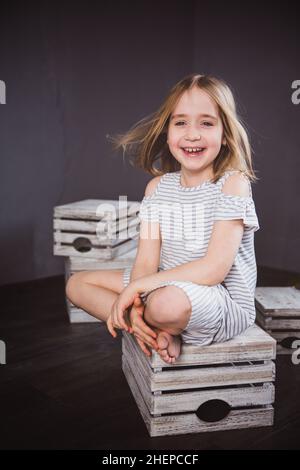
(95, 234)
(210, 388)
(278, 312)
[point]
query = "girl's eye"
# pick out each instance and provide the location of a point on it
(182, 122)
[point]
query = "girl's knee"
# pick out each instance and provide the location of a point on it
(74, 281)
(168, 304)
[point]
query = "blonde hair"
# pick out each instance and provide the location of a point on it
(146, 141)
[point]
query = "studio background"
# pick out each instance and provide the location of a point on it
(75, 72)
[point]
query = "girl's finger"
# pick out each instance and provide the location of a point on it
(143, 347)
(137, 301)
(111, 328)
(116, 322)
(147, 339)
(139, 309)
(143, 326)
(120, 320)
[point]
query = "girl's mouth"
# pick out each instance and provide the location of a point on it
(193, 152)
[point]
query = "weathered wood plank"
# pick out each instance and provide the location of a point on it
(102, 241)
(273, 323)
(97, 209)
(75, 264)
(252, 345)
(107, 253)
(91, 226)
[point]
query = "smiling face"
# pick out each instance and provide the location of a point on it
(199, 127)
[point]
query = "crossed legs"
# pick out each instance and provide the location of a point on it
(167, 310)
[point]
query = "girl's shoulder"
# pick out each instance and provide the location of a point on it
(154, 185)
(239, 181)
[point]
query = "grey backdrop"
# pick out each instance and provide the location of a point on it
(76, 72)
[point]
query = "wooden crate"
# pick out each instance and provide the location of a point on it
(76, 264)
(210, 388)
(96, 228)
(278, 312)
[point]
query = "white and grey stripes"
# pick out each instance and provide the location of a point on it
(186, 217)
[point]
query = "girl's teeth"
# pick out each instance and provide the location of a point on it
(199, 150)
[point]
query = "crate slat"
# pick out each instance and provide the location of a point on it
(107, 253)
(273, 323)
(95, 240)
(74, 264)
(91, 226)
(252, 345)
(195, 378)
(97, 209)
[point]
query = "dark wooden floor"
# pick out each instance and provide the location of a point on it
(63, 385)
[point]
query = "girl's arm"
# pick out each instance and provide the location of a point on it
(222, 249)
(148, 254)
(209, 270)
(149, 244)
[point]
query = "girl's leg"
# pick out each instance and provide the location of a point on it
(95, 291)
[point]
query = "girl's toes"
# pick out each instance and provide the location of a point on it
(162, 341)
(168, 359)
(165, 356)
(163, 352)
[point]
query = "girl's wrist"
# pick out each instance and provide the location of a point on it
(135, 287)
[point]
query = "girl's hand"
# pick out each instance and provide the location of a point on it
(144, 335)
(118, 310)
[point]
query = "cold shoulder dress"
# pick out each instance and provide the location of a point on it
(186, 217)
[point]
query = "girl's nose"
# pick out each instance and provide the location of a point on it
(193, 136)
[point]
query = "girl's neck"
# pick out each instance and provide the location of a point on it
(191, 179)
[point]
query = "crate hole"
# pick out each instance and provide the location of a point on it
(288, 342)
(82, 244)
(213, 410)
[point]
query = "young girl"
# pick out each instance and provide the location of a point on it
(194, 275)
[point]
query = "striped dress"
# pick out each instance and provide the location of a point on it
(186, 216)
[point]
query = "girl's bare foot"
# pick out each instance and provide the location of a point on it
(169, 346)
